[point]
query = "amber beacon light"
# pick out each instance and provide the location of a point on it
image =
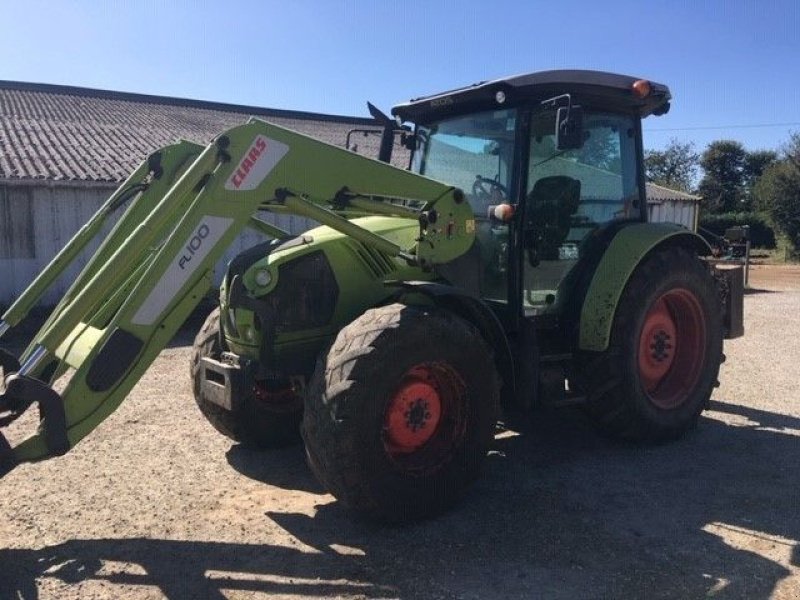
(641, 88)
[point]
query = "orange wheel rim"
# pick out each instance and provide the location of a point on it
(413, 415)
(672, 348)
(425, 417)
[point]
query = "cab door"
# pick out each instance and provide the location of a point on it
(569, 195)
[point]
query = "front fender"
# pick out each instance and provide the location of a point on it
(475, 311)
(627, 250)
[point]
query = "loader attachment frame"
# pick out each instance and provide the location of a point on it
(189, 203)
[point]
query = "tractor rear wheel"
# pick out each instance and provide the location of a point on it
(258, 423)
(401, 412)
(660, 368)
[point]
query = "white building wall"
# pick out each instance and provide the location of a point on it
(682, 212)
(36, 221)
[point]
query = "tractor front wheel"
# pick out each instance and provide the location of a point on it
(401, 412)
(262, 421)
(659, 370)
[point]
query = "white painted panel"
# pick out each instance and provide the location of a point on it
(194, 249)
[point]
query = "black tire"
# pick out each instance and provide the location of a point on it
(361, 384)
(254, 425)
(648, 386)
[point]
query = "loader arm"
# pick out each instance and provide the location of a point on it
(157, 263)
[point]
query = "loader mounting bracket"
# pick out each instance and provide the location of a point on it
(8, 362)
(20, 393)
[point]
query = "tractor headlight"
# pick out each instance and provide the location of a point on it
(263, 277)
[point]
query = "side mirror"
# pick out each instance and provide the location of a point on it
(569, 128)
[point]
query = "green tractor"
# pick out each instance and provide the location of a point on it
(510, 265)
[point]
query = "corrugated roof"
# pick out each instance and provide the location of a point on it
(660, 193)
(63, 133)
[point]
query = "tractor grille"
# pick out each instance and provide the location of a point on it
(306, 294)
(378, 263)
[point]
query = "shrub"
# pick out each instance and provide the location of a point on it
(762, 234)
(778, 192)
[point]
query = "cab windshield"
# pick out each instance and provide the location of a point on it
(473, 152)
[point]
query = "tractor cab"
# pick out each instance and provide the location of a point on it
(548, 162)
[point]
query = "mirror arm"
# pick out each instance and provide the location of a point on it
(557, 102)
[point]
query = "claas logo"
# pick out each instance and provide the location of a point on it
(256, 150)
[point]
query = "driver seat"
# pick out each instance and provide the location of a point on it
(548, 214)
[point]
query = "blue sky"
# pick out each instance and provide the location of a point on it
(732, 65)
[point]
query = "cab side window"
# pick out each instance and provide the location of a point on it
(605, 169)
(570, 194)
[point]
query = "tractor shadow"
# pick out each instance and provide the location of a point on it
(181, 569)
(285, 468)
(753, 291)
(559, 513)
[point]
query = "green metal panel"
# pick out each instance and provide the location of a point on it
(624, 254)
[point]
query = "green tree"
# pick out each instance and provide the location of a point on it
(674, 167)
(755, 163)
(777, 191)
(723, 184)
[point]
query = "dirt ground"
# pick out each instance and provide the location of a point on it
(155, 504)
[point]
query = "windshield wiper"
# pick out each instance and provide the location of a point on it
(549, 158)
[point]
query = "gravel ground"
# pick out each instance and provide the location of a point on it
(155, 504)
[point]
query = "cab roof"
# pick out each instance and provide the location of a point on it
(597, 89)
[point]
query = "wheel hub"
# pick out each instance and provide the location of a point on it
(661, 346)
(656, 345)
(413, 415)
(417, 415)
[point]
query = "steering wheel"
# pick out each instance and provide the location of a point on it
(483, 189)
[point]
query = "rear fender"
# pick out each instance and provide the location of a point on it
(474, 310)
(627, 250)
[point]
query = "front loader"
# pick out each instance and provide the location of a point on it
(511, 265)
